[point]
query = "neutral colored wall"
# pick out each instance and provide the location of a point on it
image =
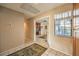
(60, 43)
(11, 29)
(28, 31)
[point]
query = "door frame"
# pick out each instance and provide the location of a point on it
(48, 35)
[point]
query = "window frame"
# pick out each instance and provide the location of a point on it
(60, 19)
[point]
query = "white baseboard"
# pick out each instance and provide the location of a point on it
(5, 53)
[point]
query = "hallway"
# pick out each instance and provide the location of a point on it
(42, 29)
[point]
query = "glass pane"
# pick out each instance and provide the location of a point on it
(61, 30)
(76, 33)
(57, 22)
(58, 16)
(67, 22)
(65, 14)
(67, 31)
(69, 13)
(57, 30)
(59, 27)
(76, 12)
(62, 23)
(76, 21)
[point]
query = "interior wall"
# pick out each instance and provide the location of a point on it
(11, 29)
(28, 30)
(60, 43)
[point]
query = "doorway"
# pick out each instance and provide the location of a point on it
(41, 31)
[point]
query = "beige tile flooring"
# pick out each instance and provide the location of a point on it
(42, 42)
(52, 52)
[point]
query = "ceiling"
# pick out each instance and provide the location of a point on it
(31, 9)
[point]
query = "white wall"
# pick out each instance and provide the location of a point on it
(11, 29)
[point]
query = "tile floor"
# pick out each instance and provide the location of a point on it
(42, 42)
(38, 50)
(49, 51)
(52, 52)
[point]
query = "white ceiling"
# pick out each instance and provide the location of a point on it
(31, 9)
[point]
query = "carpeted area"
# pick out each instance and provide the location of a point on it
(32, 50)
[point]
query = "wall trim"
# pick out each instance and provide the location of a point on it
(5, 53)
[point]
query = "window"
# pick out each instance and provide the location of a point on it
(76, 23)
(63, 24)
(67, 30)
(59, 27)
